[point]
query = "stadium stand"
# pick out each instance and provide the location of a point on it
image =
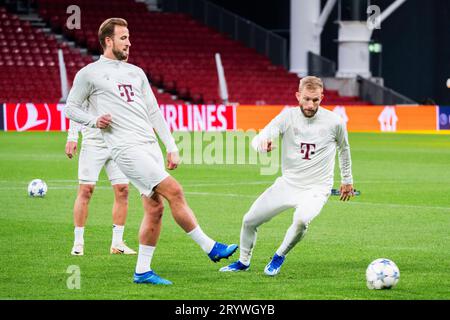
(176, 52)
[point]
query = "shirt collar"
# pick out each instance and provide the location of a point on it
(105, 59)
(313, 117)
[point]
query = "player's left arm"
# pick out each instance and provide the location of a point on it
(345, 161)
(160, 125)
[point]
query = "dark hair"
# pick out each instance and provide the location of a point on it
(107, 29)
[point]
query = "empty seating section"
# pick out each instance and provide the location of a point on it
(29, 62)
(175, 51)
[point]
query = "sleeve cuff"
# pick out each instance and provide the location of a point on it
(172, 148)
(347, 181)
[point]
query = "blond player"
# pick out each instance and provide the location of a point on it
(310, 136)
(94, 155)
(127, 114)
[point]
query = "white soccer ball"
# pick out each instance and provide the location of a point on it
(382, 274)
(37, 188)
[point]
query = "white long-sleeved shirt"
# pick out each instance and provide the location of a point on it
(309, 147)
(90, 136)
(122, 90)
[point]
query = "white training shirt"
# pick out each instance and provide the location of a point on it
(122, 90)
(309, 147)
(91, 136)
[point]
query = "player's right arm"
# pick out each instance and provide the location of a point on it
(263, 142)
(81, 89)
(72, 139)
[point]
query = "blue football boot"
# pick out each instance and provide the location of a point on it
(150, 277)
(274, 266)
(235, 267)
(221, 251)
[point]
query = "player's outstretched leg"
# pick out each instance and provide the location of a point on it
(170, 189)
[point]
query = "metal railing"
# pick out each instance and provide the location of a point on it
(254, 36)
(377, 94)
(319, 66)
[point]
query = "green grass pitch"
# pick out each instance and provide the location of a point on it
(402, 214)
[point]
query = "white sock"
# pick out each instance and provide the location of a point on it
(79, 232)
(117, 235)
(144, 259)
(245, 256)
(205, 242)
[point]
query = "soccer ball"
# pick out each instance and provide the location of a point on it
(382, 274)
(37, 188)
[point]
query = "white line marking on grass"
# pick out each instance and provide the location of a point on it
(396, 205)
(74, 187)
(235, 195)
(232, 195)
(227, 184)
(50, 182)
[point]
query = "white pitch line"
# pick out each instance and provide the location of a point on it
(202, 184)
(397, 205)
(49, 183)
(74, 187)
(227, 184)
(234, 195)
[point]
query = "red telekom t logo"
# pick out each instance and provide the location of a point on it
(127, 90)
(307, 149)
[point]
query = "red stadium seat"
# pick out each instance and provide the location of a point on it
(177, 55)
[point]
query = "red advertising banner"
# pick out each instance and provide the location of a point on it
(199, 117)
(50, 117)
(34, 117)
(396, 118)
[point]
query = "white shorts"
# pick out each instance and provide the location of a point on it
(282, 196)
(91, 161)
(143, 165)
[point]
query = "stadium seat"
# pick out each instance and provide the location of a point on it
(177, 55)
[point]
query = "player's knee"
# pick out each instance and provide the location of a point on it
(249, 221)
(156, 212)
(122, 193)
(154, 208)
(176, 192)
(86, 191)
(159, 209)
(300, 226)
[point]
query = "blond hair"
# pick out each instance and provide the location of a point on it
(310, 82)
(107, 29)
